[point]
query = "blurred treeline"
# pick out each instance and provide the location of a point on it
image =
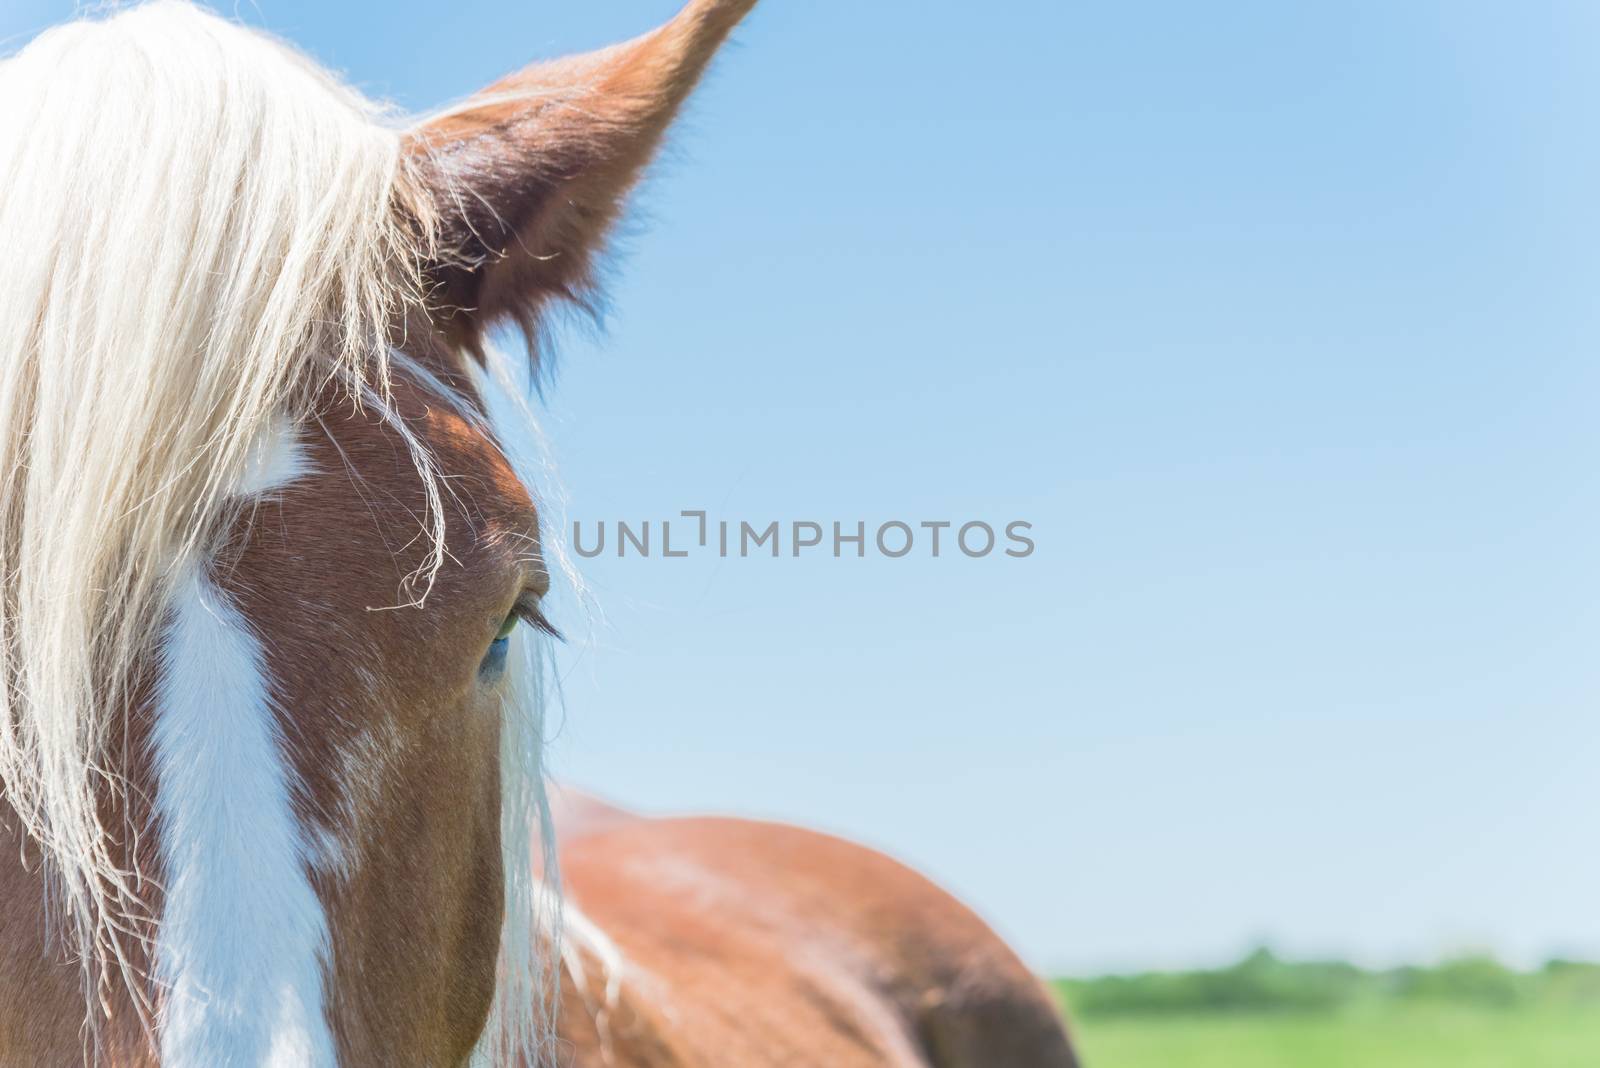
(1262, 982)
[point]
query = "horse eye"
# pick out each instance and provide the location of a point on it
(526, 611)
(494, 662)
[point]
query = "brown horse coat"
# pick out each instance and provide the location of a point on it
(737, 944)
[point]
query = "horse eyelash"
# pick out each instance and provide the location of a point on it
(527, 609)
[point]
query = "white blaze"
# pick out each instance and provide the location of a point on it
(243, 938)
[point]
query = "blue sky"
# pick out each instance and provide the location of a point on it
(1278, 322)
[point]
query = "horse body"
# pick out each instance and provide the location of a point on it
(268, 755)
(724, 943)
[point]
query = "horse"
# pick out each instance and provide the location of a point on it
(272, 605)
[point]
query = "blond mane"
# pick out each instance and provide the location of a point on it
(202, 230)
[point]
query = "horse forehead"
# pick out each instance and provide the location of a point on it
(477, 480)
(344, 522)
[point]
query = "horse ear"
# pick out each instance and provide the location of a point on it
(525, 179)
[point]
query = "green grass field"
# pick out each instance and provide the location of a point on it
(1388, 1036)
(1264, 1012)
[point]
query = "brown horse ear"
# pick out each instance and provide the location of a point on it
(526, 178)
